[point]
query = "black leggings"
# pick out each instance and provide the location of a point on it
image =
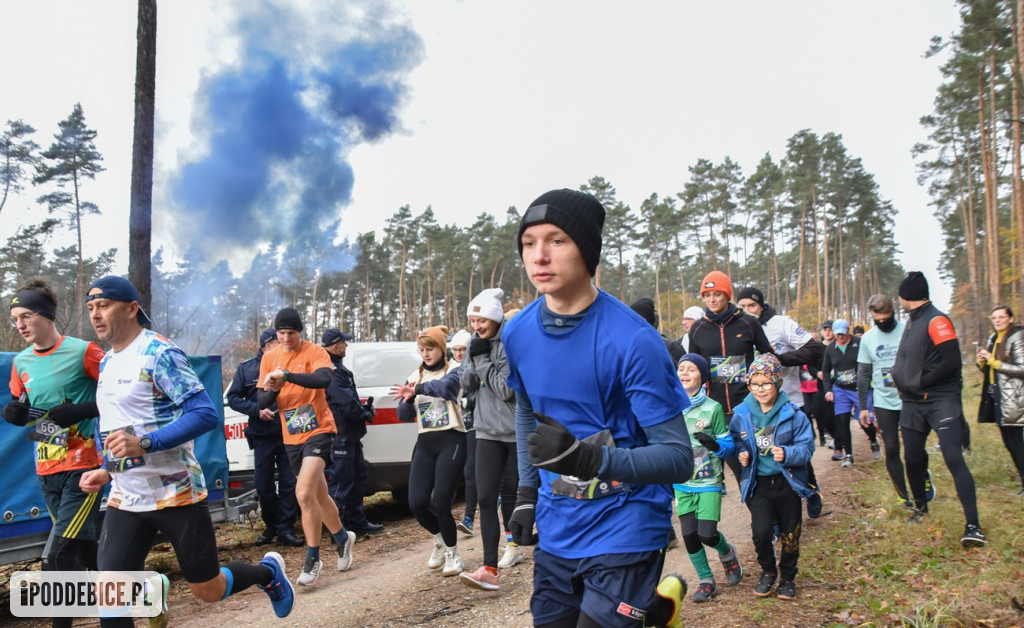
(951, 442)
(127, 537)
(497, 472)
(433, 479)
(844, 440)
(698, 532)
(1013, 438)
(889, 426)
(469, 473)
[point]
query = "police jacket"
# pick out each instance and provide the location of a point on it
(242, 398)
(927, 362)
(728, 345)
(343, 399)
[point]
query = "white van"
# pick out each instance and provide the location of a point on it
(388, 444)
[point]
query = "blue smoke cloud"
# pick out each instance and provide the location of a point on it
(281, 121)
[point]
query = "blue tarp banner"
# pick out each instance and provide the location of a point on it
(21, 494)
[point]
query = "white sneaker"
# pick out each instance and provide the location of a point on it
(310, 572)
(452, 563)
(437, 556)
(513, 556)
(345, 552)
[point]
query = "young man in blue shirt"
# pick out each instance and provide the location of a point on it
(600, 432)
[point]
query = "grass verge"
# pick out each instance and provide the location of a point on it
(875, 568)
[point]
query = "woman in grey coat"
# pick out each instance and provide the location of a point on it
(483, 373)
(1002, 363)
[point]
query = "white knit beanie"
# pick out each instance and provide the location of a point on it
(460, 339)
(487, 305)
(694, 312)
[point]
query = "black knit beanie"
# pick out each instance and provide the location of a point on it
(751, 293)
(645, 308)
(578, 214)
(288, 318)
(914, 287)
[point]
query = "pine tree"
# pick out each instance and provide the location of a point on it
(67, 163)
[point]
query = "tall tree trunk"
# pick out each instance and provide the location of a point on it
(969, 222)
(81, 287)
(991, 215)
(776, 282)
(316, 286)
(824, 304)
(1018, 183)
(800, 261)
(140, 220)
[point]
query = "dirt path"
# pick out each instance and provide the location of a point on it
(390, 585)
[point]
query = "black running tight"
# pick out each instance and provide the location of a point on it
(889, 426)
(951, 441)
(1013, 438)
(433, 477)
(496, 473)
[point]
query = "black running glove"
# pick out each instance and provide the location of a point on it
(479, 346)
(520, 524)
(369, 410)
(67, 414)
(16, 413)
(709, 442)
(554, 448)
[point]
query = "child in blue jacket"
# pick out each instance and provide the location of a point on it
(774, 442)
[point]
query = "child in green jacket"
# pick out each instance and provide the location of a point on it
(699, 500)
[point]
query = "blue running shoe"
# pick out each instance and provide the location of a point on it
(280, 590)
(929, 487)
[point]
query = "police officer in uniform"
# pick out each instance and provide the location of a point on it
(347, 475)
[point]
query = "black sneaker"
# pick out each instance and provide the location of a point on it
(917, 516)
(973, 536)
(765, 584)
(787, 590)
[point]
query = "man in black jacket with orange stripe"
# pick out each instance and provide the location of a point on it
(927, 375)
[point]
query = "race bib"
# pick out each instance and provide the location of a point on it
(571, 486)
(729, 369)
(301, 420)
(115, 465)
(847, 377)
(701, 463)
(887, 378)
(765, 439)
(434, 414)
(50, 433)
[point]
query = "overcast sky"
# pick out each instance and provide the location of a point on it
(509, 99)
